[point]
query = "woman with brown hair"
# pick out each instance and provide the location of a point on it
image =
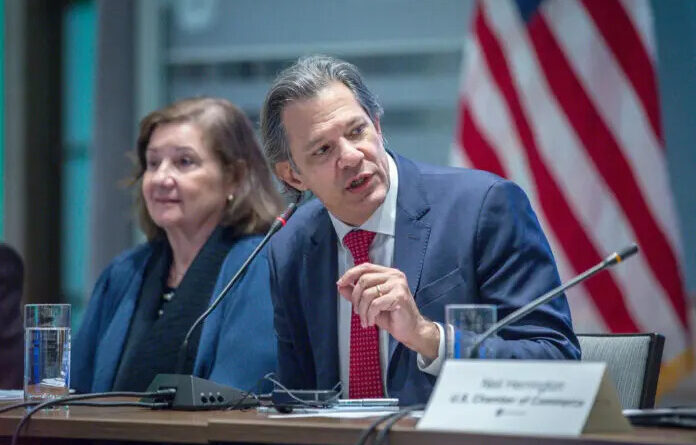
(204, 196)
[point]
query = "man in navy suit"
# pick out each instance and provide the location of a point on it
(360, 277)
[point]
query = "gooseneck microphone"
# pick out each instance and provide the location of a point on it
(278, 224)
(609, 261)
(194, 393)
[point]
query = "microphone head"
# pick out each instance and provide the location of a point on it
(283, 218)
(622, 254)
(628, 251)
(288, 212)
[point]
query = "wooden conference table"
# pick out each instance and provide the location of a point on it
(141, 424)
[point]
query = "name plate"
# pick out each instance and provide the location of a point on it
(555, 398)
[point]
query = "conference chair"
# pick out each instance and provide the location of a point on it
(633, 362)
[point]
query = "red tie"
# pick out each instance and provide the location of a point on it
(365, 379)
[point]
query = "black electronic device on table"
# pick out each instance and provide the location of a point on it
(194, 393)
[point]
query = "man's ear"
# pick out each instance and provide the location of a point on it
(289, 176)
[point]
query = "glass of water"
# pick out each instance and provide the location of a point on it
(464, 323)
(46, 351)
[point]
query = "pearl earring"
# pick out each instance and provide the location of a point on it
(230, 197)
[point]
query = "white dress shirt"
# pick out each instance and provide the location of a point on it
(382, 222)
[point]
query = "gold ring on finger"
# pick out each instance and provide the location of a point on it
(379, 291)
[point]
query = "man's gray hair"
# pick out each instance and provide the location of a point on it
(304, 80)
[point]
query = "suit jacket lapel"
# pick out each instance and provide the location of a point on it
(321, 308)
(412, 229)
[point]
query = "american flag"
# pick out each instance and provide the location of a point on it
(561, 97)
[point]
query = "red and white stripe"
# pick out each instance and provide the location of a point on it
(566, 105)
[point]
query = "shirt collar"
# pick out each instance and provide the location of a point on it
(383, 220)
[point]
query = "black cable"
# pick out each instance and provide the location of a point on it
(305, 403)
(381, 437)
(61, 400)
(16, 405)
(152, 405)
(79, 403)
(391, 418)
(239, 403)
(362, 440)
(257, 385)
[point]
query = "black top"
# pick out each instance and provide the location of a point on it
(158, 326)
